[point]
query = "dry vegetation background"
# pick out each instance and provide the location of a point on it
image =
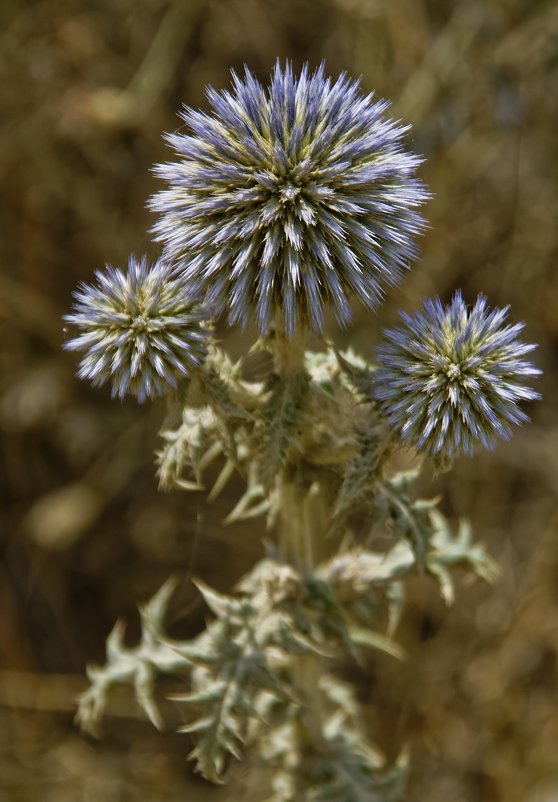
(86, 88)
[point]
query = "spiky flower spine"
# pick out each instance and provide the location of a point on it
(290, 199)
(140, 330)
(450, 378)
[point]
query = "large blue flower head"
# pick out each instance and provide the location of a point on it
(290, 199)
(450, 378)
(140, 330)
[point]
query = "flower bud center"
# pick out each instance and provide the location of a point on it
(288, 192)
(139, 323)
(453, 372)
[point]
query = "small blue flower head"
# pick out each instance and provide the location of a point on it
(450, 379)
(290, 199)
(140, 330)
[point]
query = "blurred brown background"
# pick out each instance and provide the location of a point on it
(86, 88)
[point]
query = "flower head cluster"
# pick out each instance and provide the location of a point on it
(290, 199)
(452, 378)
(140, 330)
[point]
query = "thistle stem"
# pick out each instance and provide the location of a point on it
(301, 530)
(298, 542)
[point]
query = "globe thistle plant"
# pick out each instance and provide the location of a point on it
(284, 202)
(290, 199)
(451, 379)
(140, 330)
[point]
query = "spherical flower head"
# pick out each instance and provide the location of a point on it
(290, 199)
(450, 378)
(140, 330)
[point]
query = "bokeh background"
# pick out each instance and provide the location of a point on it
(86, 88)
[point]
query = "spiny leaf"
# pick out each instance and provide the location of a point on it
(232, 674)
(223, 606)
(353, 775)
(153, 613)
(341, 693)
(211, 693)
(219, 397)
(250, 505)
(449, 551)
(346, 769)
(187, 446)
(222, 480)
(144, 687)
(360, 477)
(375, 640)
(357, 372)
(411, 518)
(115, 641)
(445, 581)
(281, 416)
(199, 725)
(136, 666)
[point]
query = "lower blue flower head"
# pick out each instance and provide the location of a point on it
(450, 379)
(140, 330)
